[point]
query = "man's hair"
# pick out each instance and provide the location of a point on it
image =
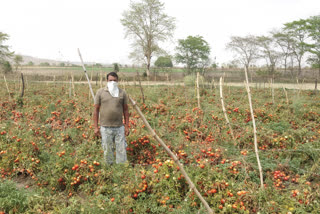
(114, 74)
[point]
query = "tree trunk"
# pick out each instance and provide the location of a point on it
(148, 65)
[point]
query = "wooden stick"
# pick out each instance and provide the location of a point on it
(5, 80)
(141, 89)
(272, 90)
(254, 128)
(22, 82)
(171, 154)
(85, 72)
(72, 78)
(285, 92)
(198, 93)
(224, 109)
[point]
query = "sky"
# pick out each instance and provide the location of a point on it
(55, 29)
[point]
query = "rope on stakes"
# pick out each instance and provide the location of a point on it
(172, 155)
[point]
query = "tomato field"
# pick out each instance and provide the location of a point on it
(50, 161)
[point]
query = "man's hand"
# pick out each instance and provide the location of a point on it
(97, 132)
(127, 130)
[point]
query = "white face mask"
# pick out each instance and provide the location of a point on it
(113, 88)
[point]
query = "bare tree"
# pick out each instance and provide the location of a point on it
(147, 25)
(246, 49)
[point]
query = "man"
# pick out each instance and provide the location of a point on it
(112, 104)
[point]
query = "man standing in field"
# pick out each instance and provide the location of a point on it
(111, 103)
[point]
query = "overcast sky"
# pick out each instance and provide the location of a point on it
(54, 29)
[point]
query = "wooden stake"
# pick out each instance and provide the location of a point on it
(272, 90)
(72, 78)
(141, 89)
(285, 92)
(22, 83)
(172, 155)
(224, 109)
(198, 93)
(254, 128)
(5, 80)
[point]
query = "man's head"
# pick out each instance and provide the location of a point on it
(112, 76)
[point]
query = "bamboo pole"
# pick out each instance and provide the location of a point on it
(224, 109)
(272, 90)
(254, 128)
(198, 93)
(5, 80)
(72, 78)
(172, 155)
(285, 92)
(141, 89)
(85, 72)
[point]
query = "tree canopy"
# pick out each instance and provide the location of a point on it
(147, 25)
(313, 28)
(164, 62)
(194, 52)
(4, 49)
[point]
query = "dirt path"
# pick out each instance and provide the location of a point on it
(302, 86)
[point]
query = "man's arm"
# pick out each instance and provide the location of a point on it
(126, 118)
(96, 119)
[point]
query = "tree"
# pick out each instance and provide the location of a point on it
(6, 66)
(164, 62)
(4, 54)
(284, 42)
(194, 52)
(4, 49)
(30, 63)
(246, 48)
(116, 67)
(269, 52)
(298, 32)
(147, 25)
(313, 28)
(17, 61)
